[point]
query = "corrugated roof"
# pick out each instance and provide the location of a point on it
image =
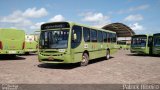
(121, 29)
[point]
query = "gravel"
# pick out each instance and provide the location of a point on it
(122, 68)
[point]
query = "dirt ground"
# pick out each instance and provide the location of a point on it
(122, 68)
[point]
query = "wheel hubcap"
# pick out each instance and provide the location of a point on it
(107, 56)
(84, 59)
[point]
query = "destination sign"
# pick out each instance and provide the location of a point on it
(158, 34)
(54, 25)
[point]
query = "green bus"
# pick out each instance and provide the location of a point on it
(123, 45)
(142, 44)
(30, 44)
(68, 42)
(156, 44)
(12, 41)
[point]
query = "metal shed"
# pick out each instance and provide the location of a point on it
(121, 29)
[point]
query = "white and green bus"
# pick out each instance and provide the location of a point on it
(156, 44)
(30, 44)
(68, 42)
(142, 44)
(12, 42)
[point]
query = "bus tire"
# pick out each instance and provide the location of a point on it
(107, 54)
(85, 59)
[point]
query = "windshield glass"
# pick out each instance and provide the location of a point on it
(52, 39)
(156, 41)
(139, 41)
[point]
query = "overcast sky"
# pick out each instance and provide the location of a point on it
(143, 16)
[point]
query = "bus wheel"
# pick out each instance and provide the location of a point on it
(85, 60)
(107, 54)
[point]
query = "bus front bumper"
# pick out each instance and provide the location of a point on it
(156, 51)
(30, 50)
(63, 58)
(11, 51)
(138, 51)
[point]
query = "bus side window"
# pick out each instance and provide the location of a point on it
(111, 37)
(93, 36)
(114, 38)
(86, 34)
(76, 36)
(108, 37)
(100, 36)
(104, 36)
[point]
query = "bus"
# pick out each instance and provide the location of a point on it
(12, 42)
(123, 45)
(142, 44)
(30, 44)
(156, 44)
(68, 42)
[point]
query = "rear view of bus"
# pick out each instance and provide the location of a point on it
(141, 44)
(30, 44)
(156, 44)
(12, 41)
(123, 45)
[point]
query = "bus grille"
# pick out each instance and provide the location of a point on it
(55, 60)
(51, 54)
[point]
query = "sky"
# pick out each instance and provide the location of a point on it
(143, 16)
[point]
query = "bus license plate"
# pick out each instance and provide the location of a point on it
(12, 52)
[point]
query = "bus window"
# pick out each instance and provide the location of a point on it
(86, 34)
(76, 36)
(156, 41)
(93, 35)
(104, 36)
(114, 38)
(139, 41)
(108, 37)
(100, 36)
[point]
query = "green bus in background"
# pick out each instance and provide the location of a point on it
(30, 44)
(142, 44)
(12, 41)
(156, 44)
(68, 42)
(123, 45)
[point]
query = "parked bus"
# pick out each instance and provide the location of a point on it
(30, 44)
(156, 44)
(12, 41)
(68, 42)
(37, 35)
(123, 45)
(141, 44)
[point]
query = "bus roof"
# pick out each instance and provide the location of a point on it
(142, 35)
(156, 34)
(10, 29)
(73, 23)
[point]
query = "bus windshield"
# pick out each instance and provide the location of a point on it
(139, 41)
(53, 39)
(156, 41)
